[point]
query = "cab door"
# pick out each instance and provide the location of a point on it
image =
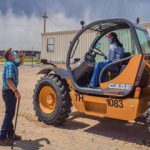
(124, 82)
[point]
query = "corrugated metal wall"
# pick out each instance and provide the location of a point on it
(147, 26)
(61, 45)
(85, 41)
(149, 31)
(62, 42)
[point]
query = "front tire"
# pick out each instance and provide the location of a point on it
(51, 100)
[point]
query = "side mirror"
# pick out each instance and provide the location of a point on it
(76, 60)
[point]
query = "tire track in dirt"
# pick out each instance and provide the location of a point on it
(29, 117)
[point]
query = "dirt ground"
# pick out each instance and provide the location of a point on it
(80, 132)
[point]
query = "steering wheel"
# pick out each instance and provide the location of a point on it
(98, 52)
(90, 57)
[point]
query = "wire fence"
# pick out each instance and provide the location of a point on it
(28, 61)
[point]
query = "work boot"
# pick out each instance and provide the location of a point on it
(5, 142)
(90, 86)
(16, 137)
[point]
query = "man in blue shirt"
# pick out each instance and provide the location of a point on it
(10, 95)
(116, 52)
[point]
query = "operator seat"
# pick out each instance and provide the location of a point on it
(113, 72)
(124, 64)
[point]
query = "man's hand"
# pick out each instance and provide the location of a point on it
(20, 54)
(17, 95)
(13, 88)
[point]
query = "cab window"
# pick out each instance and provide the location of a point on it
(144, 40)
(124, 36)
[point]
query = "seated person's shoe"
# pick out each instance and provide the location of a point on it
(16, 138)
(90, 86)
(5, 142)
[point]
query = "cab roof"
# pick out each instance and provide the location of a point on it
(102, 25)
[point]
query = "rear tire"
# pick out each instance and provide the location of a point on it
(51, 100)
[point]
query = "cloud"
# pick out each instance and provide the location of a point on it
(99, 9)
(20, 32)
(25, 32)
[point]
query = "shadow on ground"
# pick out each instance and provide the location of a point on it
(31, 144)
(114, 129)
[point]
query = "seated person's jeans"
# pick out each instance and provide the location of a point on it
(95, 77)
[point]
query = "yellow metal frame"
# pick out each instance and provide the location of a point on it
(125, 109)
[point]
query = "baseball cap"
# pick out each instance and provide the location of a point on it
(7, 52)
(111, 35)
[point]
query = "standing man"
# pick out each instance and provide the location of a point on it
(10, 94)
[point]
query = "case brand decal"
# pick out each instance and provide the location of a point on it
(120, 86)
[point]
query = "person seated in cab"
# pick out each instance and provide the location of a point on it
(115, 52)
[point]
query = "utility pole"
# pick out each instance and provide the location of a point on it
(32, 53)
(45, 17)
(138, 20)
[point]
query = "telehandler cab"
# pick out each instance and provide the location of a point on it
(125, 94)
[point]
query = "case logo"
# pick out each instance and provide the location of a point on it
(120, 86)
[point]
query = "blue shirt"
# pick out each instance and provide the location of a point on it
(10, 71)
(115, 52)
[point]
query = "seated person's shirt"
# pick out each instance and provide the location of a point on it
(115, 53)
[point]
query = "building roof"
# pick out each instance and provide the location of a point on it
(60, 32)
(146, 24)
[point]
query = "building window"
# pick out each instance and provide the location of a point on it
(50, 44)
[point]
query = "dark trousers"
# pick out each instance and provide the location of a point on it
(10, 106)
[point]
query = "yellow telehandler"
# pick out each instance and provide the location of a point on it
(124, 95)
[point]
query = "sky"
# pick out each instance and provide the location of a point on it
(21, 22)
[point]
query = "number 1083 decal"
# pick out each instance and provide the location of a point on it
(118, 103)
